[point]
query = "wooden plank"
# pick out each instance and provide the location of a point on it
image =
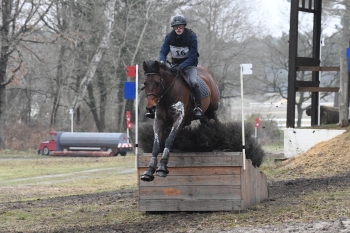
(204, 180)
(318, 89)
(203, 154)
(256, 187)
(243, 189)
(263, 190)
(307, 83)
(192, 205)
(249, 184)
(307, 61)
(197, 171)
(307, 10)
(197, 160)
(191, 193)
(318, 68)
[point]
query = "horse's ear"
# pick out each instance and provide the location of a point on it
(144, 66)
(161, 65)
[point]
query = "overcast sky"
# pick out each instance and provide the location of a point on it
(275, 14)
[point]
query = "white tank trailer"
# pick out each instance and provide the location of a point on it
(91, 144)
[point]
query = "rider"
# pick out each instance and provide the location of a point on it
(182, 44)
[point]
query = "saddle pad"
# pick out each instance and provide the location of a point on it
(202, 87)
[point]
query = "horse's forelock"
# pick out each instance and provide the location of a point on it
(151, 67)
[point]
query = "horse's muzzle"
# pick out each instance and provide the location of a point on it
(151, 109)
(151, 101)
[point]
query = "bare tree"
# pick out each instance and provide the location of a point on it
(109, 14)
(18, 19)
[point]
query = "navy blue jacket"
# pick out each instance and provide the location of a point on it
(192, 59)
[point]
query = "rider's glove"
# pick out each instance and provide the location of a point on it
(177, 69)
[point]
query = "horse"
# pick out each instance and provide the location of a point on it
(169, 95)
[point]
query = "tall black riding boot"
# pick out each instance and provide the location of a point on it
(197, 112)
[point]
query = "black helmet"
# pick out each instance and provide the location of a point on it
(178, 20)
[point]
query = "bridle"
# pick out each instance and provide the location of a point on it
(162, 85)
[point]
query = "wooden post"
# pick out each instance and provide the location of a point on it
(343, 92)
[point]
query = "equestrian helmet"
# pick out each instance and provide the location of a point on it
(178, 20)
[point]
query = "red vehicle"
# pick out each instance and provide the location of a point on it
(49, 145)
(117, 143)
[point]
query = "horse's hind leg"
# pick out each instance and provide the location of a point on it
(210, 114)
(204, 120)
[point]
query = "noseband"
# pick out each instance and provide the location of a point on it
(162, 84)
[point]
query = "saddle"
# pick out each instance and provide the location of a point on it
(202, 86)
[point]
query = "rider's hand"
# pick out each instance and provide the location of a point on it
(177, 69)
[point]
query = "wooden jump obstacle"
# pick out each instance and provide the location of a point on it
(213, 181)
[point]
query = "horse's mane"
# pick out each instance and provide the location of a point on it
(165, 67)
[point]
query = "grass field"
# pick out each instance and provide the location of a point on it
(31, 176)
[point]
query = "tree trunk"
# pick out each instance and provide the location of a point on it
(343, 92)
(4, 33)
(2, 115)
(343, 89)
(299, 114)
(103, 101)
(109, 14)
(57, 89)
(93, 107)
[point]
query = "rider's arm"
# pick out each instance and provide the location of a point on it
(165, 49)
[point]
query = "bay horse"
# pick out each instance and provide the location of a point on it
(170, 96)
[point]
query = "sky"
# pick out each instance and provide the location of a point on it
(275, 15)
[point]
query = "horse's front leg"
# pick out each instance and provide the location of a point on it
(178, 114)
(158, 127)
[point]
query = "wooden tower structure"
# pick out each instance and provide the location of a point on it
(312, 63)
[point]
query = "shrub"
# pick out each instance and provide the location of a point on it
(207, 138)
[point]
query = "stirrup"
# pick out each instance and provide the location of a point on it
(197, 113)
(198, 109)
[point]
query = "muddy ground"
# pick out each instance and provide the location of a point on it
(321, 171)
(281, 193)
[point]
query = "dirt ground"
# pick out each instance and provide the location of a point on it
(281, 193)
(323, 167)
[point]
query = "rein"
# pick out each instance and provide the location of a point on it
(162, 83)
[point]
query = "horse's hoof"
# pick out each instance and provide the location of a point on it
(161, 173)
(162, 170)
(147, 178)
